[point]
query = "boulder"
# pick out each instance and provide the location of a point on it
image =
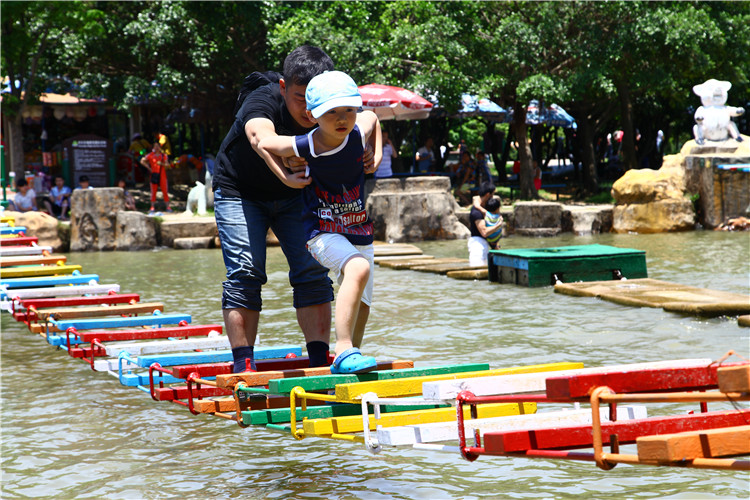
(195, 227)
(537, 218)
(46, 228)
(414, 209)
(93, 216)
(647, 185)
(193, 243)
(135, 231)
(654, 217)
(587, 219)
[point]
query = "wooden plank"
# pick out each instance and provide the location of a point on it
(536, 382)
(692, 374)
(97, 323)
(499, 443)
(449, 266)
(158, 347)
(18, 241)
(226, 404)
(396, 249)
(448, 431)
(261, 352)
(263, 365)
(62, 291)
(174, 393)
(32, 250)
(472, 274)
(264, 377)
(110, 298)
(139, 334)
(45, 281)
(343, 425)
(98, 311)
(744, 320)
(408, 264)
(327, 382)
(283, 415)
(413, 386)
(32, 260)
(712, 443)
(396, 258)
(734, 378)
(33, 271)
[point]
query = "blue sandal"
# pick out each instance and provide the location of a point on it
(352, 361)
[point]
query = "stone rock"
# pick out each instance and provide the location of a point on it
(647, 185)
(654, 217)
(135, 231)
(45, 227)
(93, 218)
(414, 209)
(193, 243)
(582, 220)
(537, 218)
(187, 228)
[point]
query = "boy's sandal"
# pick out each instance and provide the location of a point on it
(352, 361)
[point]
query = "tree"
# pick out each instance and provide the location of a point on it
(31, 32)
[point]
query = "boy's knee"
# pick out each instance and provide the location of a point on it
(357, 268)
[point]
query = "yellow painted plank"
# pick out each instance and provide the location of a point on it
(413, 386)
(348, 424)
(30, 271)
(711, 443)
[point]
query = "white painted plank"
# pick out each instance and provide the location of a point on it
(61, 291)
(155, 347)
(448, 431)
(112, 365)
(24, 250)
(534, 382)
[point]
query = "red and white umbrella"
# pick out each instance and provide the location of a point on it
(391, 103)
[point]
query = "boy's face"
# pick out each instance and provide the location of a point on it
(294, 97)
(338, 122)
(59, 182)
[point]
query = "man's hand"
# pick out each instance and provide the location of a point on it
(295, 163)
(297, 180)
(369, 159)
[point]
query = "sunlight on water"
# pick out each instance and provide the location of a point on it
(68, 432)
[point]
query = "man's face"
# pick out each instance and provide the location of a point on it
(294, 97)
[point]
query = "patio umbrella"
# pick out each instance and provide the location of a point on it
(391, 103)
(471, 105)
(553, 116)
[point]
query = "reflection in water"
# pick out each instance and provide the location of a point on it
(71, 433)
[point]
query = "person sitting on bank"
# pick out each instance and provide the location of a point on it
(25, 199)
(83, 182)
(129, 200)
(425, 156)
(466, 179)
(58, 201)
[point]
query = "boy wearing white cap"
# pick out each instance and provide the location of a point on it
(339, 232)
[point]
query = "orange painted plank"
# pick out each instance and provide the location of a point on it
(227, 404)
(31, 260)
(712, 443)
(254, 379)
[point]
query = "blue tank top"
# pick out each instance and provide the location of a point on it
(334, 201)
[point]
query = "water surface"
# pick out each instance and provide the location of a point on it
(68, 432)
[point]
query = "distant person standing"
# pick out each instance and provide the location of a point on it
(425, 156)
(389, 153)
(157, 162)
(477, 244)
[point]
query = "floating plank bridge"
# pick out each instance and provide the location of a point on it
(469, 410)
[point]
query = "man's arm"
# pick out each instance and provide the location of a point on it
(271, 148)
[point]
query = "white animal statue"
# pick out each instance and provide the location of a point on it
(713, 120)
(196, 199)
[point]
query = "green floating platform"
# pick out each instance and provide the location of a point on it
(544, 266)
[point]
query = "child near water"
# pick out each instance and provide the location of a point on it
(339, 232)
(494, 222)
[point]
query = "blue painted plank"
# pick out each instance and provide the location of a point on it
(116, 322)
(73, 279)
(222, 356)
(12, 230)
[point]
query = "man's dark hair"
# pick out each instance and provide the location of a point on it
(83, 178)
(21, 182)
(492, 204)
(486, 187)
(304, 63)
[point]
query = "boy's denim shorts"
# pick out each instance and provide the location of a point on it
(334, 251)
(243, 225)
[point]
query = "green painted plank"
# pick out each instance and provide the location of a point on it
(284, 415)
(327, 382)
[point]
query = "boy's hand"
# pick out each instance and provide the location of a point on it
(369, 159)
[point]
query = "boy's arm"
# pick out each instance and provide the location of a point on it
(370, 126)
(272, 148)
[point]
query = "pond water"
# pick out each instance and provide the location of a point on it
(68, 432)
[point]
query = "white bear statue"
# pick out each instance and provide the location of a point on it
(713, 120)
(196, 199)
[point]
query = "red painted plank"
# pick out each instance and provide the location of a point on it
(19, 241)
(181, 392)
(123, 298)
(499, 443)
(629, 381)
(263, 365)
(206, 370)
(148, 333)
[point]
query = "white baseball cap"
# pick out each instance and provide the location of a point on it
(330, 90)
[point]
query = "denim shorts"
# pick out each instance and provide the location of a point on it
(243, 225)
(334, 251)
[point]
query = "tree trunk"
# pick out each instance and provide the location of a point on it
(590, 177)
(526, 176)
(14, 140)
(629, 158)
